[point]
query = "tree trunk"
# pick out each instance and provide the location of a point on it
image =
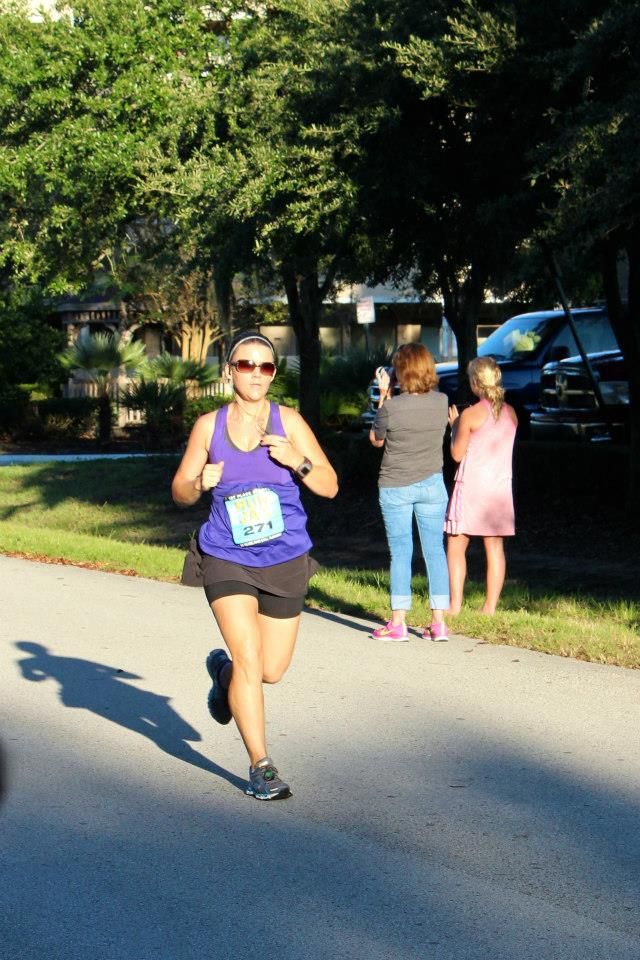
(631, 352)
(304, 297)
(123, 316)
(223, 296)
(104, 416)
(462, 302)
(626, 326)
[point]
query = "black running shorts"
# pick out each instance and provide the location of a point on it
(280, 608)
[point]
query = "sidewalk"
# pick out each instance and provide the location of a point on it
(17, 459)
(452, 801)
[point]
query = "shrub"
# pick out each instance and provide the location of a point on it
(286, 386)
(176, 370)
(60, 418)
(163, 407)
(339, 411)
(14, 402)
(356, 462)
(196, 408)
(351, 372)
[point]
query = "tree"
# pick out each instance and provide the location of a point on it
(101, 356)
(96, 109)
(278, 183)
(161, 394)
(28, 343)
(461, 205)
(179, 293)
(594, 164)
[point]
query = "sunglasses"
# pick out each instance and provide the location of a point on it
(248, 366)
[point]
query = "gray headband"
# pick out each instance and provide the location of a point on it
(248, 339)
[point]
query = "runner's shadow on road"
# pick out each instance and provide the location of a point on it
(99, 688)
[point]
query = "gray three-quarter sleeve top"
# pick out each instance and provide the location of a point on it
(412, 426)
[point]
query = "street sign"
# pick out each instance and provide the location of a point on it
(365, 310)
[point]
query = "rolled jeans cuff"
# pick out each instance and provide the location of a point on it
(439, 601)
(402, 603)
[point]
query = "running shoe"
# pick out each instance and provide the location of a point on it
(390, 631)
(438, 632)
(264, 782)
(218, 699)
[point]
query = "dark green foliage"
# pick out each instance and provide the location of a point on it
(356, 462)
(177, 371)
(55, 418)
(196, 408)
(14, 401)
(163, 406)
(99, 356)
(28, 344)
(286, 386)
(351, 373)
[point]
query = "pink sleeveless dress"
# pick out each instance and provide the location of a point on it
(482, 500)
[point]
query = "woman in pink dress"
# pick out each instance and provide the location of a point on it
(481, 504)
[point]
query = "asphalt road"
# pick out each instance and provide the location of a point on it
(451, 801)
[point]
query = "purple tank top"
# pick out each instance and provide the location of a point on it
(256, 515)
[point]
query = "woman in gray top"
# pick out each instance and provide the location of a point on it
(411, 428)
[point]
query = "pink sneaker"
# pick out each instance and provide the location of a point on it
(438, 632)
(391, 632)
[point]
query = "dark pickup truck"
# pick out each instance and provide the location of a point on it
(568, 406)
(522, 346)
(525, 343)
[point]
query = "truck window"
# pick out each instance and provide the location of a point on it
(519, 337)
(594, 331)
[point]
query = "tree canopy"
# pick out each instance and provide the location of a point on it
(311, 142)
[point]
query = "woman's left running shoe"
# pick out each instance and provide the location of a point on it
(264, 782)
(218, 699)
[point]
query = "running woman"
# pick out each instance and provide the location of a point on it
(252, 455)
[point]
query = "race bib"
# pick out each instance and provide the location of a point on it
(255, 516)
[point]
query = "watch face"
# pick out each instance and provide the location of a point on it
(304, 468)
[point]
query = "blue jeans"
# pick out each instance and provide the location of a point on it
(427, 499)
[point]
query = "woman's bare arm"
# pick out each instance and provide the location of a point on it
(195, 474)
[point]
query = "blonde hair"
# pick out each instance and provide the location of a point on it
(415, 369)
(486, 379)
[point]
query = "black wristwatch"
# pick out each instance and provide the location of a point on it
(305, 467)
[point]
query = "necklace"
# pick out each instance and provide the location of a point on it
(256, 417)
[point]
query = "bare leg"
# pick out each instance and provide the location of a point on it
(261, 649)
(496, 569)
(457, 561)
(237, 618)
(278, 642)
(398, 617)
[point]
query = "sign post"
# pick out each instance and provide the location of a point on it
(366, 314)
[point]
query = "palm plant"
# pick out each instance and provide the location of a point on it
(161, 394)
(99, 355)
(176, 370)
(163, 407)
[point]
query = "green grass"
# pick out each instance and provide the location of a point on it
(119, 516)
(104, 553)
(120, 500)
(604, 631)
